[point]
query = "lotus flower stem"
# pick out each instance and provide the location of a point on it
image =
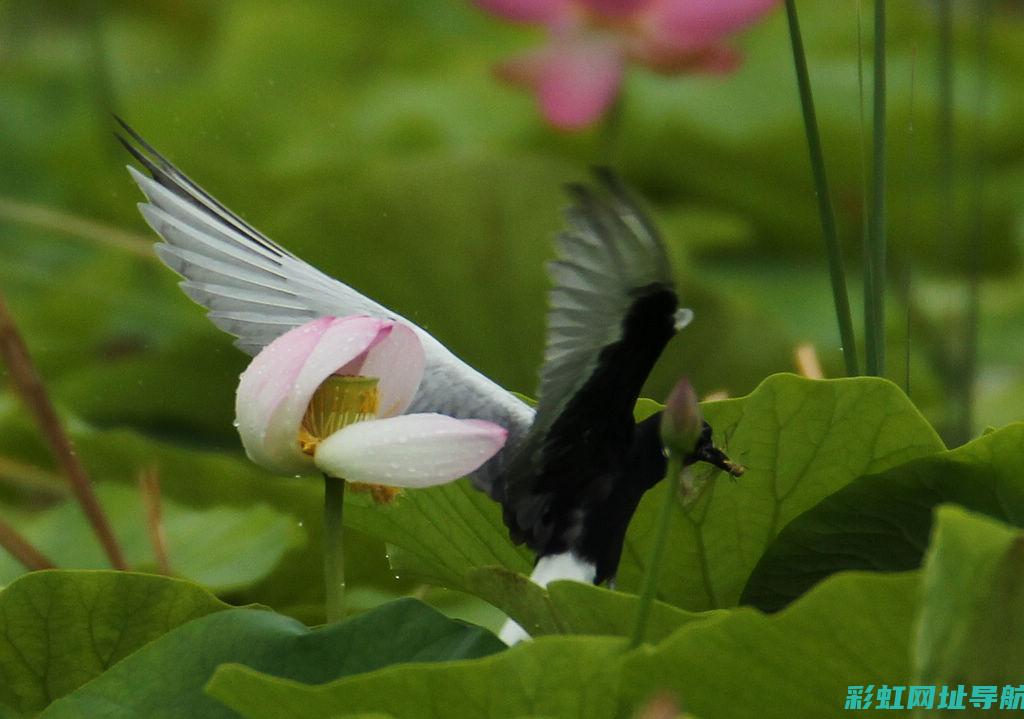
(26, 380)
(650, 586)
(334, 555)
(149, 486)
(837, 272)
(22, 550)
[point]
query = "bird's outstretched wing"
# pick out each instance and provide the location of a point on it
(253, 288)
(613, 309)
(256, 290)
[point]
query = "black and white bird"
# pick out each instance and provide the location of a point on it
(573, 471)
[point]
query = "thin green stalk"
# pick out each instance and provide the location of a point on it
(650, 586)
(983, 36)
(946, 216)
(334, 555)
(906, 273)
(868, 284)
(877, 238)
(836, 270)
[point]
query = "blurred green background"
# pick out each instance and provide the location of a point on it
(372, 139)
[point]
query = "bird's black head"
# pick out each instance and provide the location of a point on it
(706, 451)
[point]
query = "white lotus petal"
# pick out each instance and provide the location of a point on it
(413, 450)
(397, 359)
(276, 388)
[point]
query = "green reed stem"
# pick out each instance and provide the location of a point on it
(906, 271)
(876, 236)
(833, 251)
(868, 292)
(650, 586)
(334, 555)
(945, 214)
(967, 375)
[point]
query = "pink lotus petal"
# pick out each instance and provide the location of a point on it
(412, 450)
(548, 12)
(275, 390)
(615, 9)
(578, 82)
(688, 26)
(398, 360)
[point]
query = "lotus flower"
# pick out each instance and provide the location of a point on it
(330, 395)
(577, 75)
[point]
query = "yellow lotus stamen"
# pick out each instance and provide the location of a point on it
(379, 493)
(338, 402)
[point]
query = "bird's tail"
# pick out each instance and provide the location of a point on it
(552, 568)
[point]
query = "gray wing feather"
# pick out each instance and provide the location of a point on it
(609, 259)
(219, 262)
(607, 252)
(256, 290)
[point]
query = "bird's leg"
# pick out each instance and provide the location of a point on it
(706, 451)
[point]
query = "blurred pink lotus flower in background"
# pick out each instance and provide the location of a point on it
(330, 395)
(578, 74)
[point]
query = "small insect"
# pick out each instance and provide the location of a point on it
(573, 471)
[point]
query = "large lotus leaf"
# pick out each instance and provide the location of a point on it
(556, 677)
(882, 521)
(439, 533)
(970, 629)
(166, 678)
(854, 628)
(60, 629)
(568, 607)
(800, 440)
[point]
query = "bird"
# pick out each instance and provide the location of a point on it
(575, 467)
(577, 477)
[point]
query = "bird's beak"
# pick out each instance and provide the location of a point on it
(706, 451)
